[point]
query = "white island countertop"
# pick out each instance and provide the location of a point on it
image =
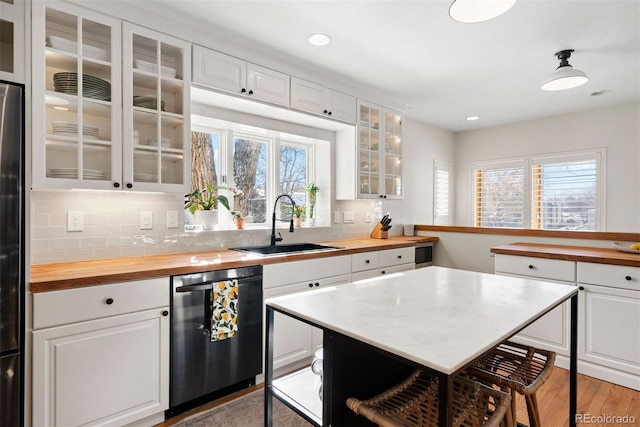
(438, 317)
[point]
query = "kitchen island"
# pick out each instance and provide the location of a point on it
(376, 331)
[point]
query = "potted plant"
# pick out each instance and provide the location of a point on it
(298, 211)
(238, 219)
(312, 190)
(203, 203)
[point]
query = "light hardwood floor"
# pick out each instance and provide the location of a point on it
(595, 398)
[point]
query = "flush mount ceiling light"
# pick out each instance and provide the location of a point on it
(472, 118)
(565, 76)
(319, 39)
(471, 11)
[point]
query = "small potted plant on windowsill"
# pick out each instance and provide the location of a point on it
(203, 203)
(298, 212)
(312, 191)
(238, 219)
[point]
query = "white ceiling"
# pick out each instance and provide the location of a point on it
(443, 71)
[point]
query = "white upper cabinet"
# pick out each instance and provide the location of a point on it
(371, 168)
(317, 99)
(12, 44)
(230, 74)
(76, 98)
(82, 136)
(156, 103)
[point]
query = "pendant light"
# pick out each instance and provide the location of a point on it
(565, 76)
(471, 11)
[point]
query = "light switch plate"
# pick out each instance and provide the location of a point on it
(349, 217)
(368, 218)
(336, 217)
(146, 220)
(172, 219)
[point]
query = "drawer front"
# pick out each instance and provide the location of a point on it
(543, 268)
(615, 276)
(397, 268)
(391, 257)
(287, 273)
(77, 305)
(365, 261)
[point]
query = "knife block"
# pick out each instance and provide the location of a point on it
(378, 232)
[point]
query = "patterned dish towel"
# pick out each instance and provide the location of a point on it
(224, 310)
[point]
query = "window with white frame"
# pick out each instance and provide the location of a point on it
(442, 192)
(554, 192)
(258, 164)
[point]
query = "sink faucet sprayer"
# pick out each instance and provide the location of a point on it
(275, 239)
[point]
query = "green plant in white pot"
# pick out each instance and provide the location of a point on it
(312, 191)
(203, 203)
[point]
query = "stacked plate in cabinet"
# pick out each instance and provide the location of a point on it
(147, 102)
(71, 129)
(92, 87)
(145, 177)
(72, 173)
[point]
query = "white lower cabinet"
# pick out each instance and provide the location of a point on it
(609, 331)
(552, 331)
(106, 368)
(295, 342)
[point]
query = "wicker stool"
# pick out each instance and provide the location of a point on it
(414, 403)
(519, 368)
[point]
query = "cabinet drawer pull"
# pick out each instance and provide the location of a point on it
(311, 285)
(165, 313)
(383, 272)
(399, 256)
(367, 262)
(627, 278)
(317, 284)
(581, 288)
(531, 267)
(109, 301)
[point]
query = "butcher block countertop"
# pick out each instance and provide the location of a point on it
(75, 274)
(570, 253)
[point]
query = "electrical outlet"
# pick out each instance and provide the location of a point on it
(74, 221)
(336, 217)
(349, 217)
(172, 219)
(146, 220)
(368, 218)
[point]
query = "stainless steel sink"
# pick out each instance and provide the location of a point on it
(286, 249)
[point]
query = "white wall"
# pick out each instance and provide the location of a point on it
(616, 128)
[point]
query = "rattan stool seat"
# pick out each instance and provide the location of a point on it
(414, 403)
(520, 368)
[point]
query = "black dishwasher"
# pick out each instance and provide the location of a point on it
(202, 370)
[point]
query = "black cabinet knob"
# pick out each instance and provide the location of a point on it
(383, 272)
(367, 262)
(317, 284)
(531, 267)
(116, 184)
(109, 301)
(243, 90)
(384, 196)
(311, 285)
(581, 288)
(627, 278)
(251, 92)
(129, 185)
(325, 112)
(165, 313)
(329, 113)
(381, 196)
(399, 256)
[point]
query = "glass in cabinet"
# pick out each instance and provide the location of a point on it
(156, 118)
(78, 119)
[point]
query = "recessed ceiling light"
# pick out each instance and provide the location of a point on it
(472, 118)
(319, 39)
(601, 92)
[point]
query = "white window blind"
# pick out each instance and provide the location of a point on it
(442, 187)
(565, 193)
(499, 195)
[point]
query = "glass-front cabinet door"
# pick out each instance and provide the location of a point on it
(156, 70)
(379, 152)
(76, 108)
(392, 154)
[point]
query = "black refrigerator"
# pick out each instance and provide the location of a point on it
(12, 282)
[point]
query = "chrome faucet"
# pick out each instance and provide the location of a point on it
(275, 239)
